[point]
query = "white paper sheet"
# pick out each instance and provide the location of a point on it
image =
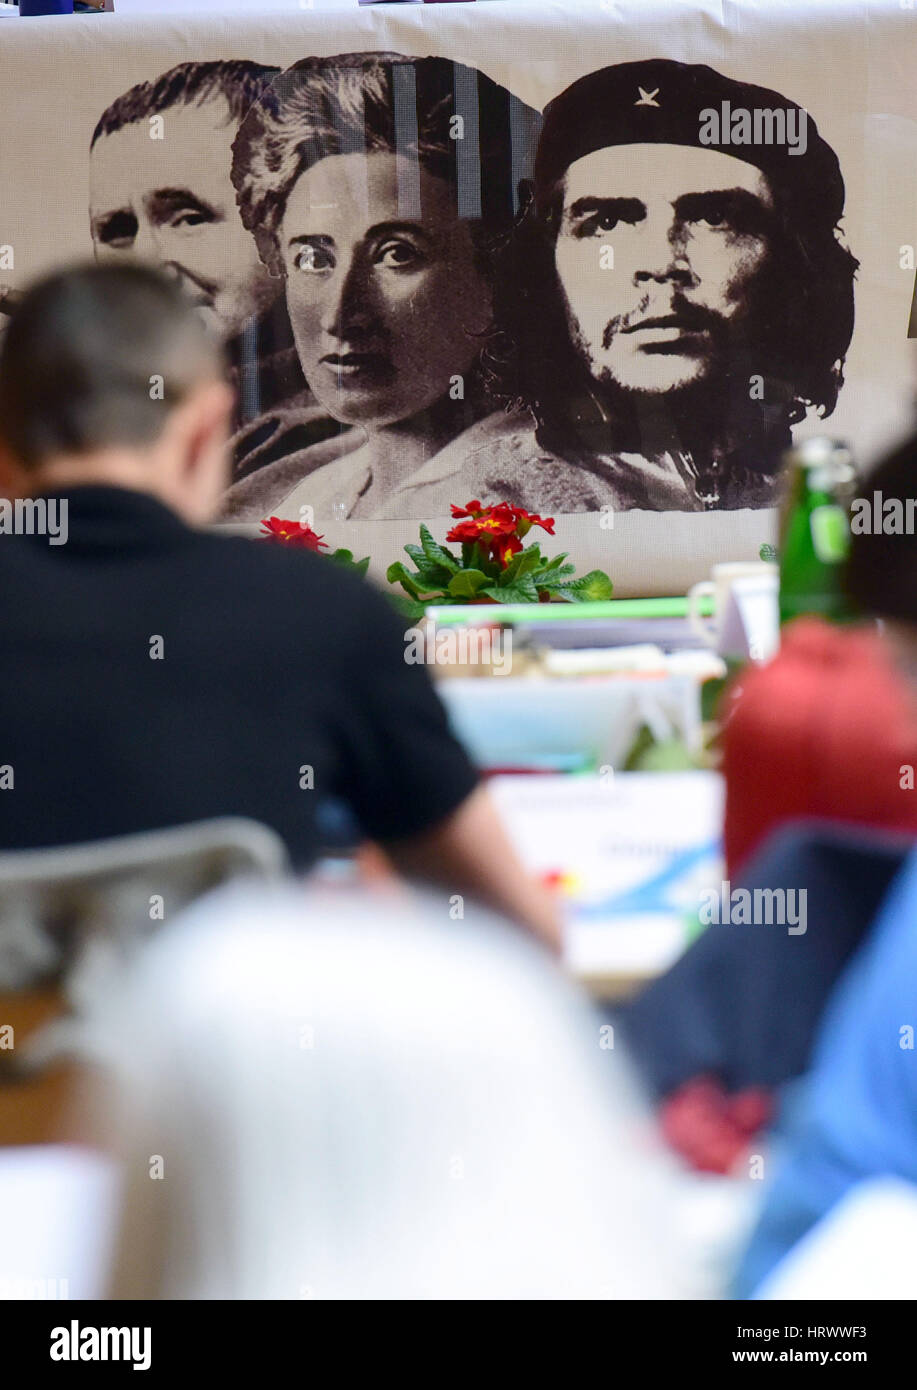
(635, 851)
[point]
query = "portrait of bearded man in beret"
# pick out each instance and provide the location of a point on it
(677, 295)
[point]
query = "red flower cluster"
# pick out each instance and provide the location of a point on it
(292, 533)
(498, 529)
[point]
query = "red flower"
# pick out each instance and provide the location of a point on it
(492, 521)
(526, 520)
(465, 531)
(292, 533)
(498, 529)
(504, 548)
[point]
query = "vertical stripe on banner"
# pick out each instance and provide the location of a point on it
(467, 142)
(351, 136)
(404, 94)
(525, 126)
(249, 383)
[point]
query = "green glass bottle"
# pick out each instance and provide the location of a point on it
(815, 530)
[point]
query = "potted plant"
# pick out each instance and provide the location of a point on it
(493, 565)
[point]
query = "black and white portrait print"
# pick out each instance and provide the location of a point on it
(429, 292)
(160, 189)
(380, 190)
(676, 296)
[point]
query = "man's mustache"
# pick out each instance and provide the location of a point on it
(691, 318)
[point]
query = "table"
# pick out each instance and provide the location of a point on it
(31, 1109)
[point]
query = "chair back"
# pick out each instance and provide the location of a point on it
(71, 916)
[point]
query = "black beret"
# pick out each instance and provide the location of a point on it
(661, 102)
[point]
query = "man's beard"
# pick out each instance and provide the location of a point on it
(692, 320)
(712, 413)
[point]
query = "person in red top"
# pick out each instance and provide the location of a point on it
(826, 730)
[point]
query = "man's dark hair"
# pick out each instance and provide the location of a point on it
(881, 574)
(237, 80)
(803, 299)
(95, 357)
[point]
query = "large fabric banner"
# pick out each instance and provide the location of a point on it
(603, 261)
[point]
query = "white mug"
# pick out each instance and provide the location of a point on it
(742, 584)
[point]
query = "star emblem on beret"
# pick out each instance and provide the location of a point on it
(647, 98)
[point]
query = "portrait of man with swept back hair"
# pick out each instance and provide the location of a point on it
(160, 191)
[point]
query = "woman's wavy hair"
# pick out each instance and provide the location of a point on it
(803, 320)
(388, 102)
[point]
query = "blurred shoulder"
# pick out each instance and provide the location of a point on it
(289, 584)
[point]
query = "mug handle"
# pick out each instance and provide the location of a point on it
(704, 628)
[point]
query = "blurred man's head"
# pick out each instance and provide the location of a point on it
(109, 376)
(160, 190)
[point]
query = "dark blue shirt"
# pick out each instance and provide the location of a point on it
(273, 669)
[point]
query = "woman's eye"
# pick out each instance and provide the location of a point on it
(398, 254)
(313, 259)
(716, 217)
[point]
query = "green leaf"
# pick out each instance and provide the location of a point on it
(526, 562)
(437, 554)
(557, 561)
(398, 574)
(408, 607)
(466, 583)
(523, 583)
(518, 565)
(554, 582)
(556, 570)
(523, 592)
(434, 576)
(587, 589)
(429, 574)
(345, 559)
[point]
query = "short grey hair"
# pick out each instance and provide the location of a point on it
(96, 356)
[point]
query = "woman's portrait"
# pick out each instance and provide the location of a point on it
(381, 189)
